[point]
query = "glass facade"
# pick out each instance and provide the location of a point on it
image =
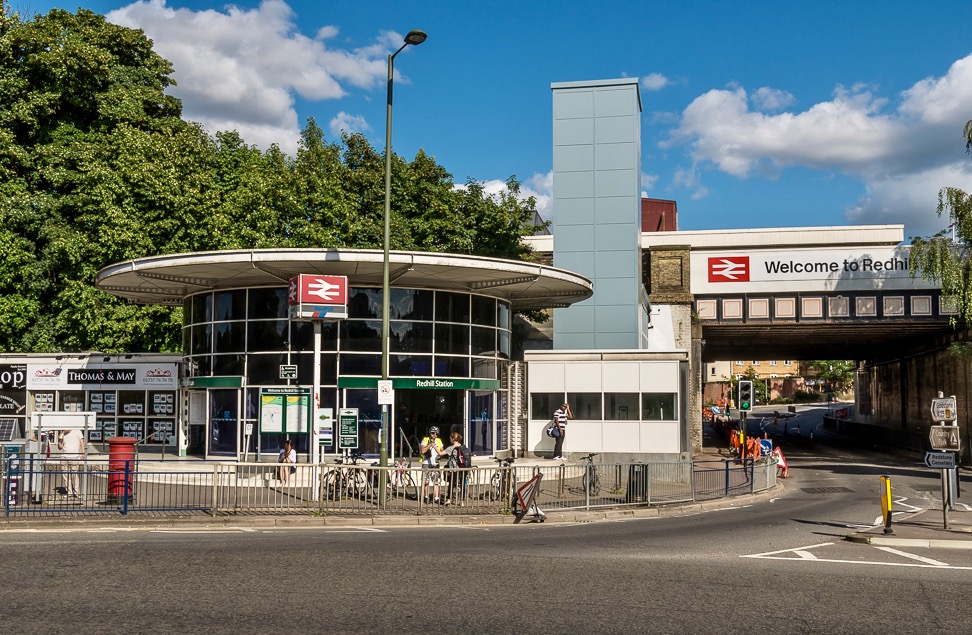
(246, 333)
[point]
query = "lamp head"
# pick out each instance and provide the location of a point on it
(415, 37)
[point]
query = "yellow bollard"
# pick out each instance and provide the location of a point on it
(886, 503)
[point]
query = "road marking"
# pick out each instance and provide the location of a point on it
(795, 549)
(805, 556)
(914, 557)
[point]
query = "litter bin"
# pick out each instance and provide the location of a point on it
(638, 476)
(121, 455)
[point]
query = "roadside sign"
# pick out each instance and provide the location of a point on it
(288, 371)
(386, 393)
(940, 460)
(765, 447)
(943, 409)
(945, 438)
(347, 428)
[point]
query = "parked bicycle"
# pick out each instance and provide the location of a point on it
(592, 481)
(400, 481)
(349, 480)
(503, 480)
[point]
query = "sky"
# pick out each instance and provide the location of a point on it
(755, 114)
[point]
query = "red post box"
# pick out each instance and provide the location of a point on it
(121, 458)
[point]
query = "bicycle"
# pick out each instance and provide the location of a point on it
(400, 480)
(347, 480)
(591, 481)
(502, 482)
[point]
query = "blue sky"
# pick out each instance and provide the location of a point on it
(756, 114)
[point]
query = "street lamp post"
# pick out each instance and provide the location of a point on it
(413, 38)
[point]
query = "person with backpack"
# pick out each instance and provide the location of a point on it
(460, 460)
(431, 449)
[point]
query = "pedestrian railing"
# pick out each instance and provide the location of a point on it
(42, 488)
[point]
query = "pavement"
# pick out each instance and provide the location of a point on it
(925, 528)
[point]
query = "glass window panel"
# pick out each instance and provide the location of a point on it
(202, 339)
(202, 308)
(187, 310)
(186, 339)
(230, 337)
(658, 406)
(410, 365)
(228, 365)
(584, 405)
(364, 303)
(411, 304)
(447, 366)
(484, 368)
(483, 310)
(352, 364)
(302, 336)
(503, 315)
(452, 338)
(621, 406)
(410, 337)
(305, 368)
(251, 402)
(451, 307)
(543, 404)
(328, 370)
(360, 335)
(483, 340)
(504, 344)
(268, 303)
(200, 366)
(269, 335)
(223, 421)
(264, 369)
(229, 305)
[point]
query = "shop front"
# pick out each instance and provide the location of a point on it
(450, 343)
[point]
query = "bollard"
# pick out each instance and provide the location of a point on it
(886, 503)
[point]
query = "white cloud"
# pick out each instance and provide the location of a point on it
(240, 68)
(648, 180)
(771, 99)
(654, 81)
(539, 186)
(343, 122)
(902, 155)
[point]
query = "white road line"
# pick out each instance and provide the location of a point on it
(795, 549)
(914, 557)
(806, 555)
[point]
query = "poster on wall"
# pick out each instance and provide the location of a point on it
(285, 409)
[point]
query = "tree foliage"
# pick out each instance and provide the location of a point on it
(944, 257)
(97, 166)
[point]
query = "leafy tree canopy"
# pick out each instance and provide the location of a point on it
(944, 257)
(97, 166)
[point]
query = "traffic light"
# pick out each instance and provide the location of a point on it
(745, 402)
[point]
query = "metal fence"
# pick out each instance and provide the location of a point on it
(43, 487)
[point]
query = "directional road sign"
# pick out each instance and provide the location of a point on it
(945, 438)
(943, 409)
(940, 460)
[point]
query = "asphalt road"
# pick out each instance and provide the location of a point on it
(775, 567)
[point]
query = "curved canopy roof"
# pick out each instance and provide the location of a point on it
(169, 279)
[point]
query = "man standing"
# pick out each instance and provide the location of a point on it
(561, 415)
(71, 445)
(431, 449)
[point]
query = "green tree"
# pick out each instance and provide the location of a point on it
(946, 260)
(87, 177)
(97, 166)
(837, 375)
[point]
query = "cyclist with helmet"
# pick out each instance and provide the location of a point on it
(431, 449)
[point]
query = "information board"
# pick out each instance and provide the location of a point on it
(285, 410)
(347, 428)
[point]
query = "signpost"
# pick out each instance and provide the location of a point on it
(947, 439)
(943, 409)
(940, 460)
(288, 371)
(347, 428)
